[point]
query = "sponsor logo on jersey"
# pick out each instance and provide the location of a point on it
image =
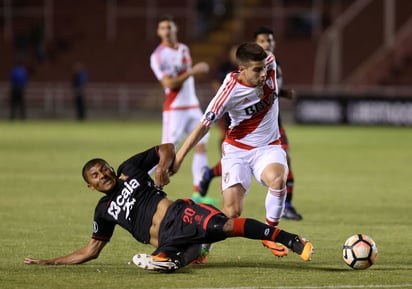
(123, 177)
(124, 201)
(261, 105)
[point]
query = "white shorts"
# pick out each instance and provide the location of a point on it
(238, 165)
(179, 123)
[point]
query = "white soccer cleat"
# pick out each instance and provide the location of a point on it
(154, 263)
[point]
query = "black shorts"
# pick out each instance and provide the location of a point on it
(186, 224)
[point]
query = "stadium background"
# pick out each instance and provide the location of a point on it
(349, 179)
(332, 52)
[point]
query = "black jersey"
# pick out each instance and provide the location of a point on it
(133, 201)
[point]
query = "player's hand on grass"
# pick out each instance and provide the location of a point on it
(30, 261)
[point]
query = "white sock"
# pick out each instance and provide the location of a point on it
(198, 163)
(275, 203)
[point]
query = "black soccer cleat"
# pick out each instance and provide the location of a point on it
(204, 183)
(302, 247)
(290, 214)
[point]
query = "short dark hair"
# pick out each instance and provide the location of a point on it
(250, 51)
(166, 18)
(90, 164)
(262, 30)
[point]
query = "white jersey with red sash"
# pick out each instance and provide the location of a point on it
(170, 61)
(253, 110)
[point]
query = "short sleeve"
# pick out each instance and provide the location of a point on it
(102, 229)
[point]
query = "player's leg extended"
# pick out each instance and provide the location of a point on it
(289, 212)
(253, 229)
(236, 180)
(274, 176)
(270, 169)
(274, 202)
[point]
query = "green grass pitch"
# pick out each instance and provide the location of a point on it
(348, 180)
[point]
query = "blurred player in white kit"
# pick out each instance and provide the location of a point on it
(171, 63)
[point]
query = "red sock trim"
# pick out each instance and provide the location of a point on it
(239, 226)
(271, 223)
(275, 234)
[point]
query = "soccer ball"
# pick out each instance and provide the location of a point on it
(359, 251)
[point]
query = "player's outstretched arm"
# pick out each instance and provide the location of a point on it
(195, 136)
(82, 255)
(175, 82)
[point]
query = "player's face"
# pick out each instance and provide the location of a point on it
(253, 73)
(167, 31)
(266, 41)
(101, 177)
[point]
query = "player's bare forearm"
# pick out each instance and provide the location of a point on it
(166, 159)
(195, 136)
(82, 255)
(176, 82)
(63, 260)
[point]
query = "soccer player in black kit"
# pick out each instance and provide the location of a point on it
(136, 202)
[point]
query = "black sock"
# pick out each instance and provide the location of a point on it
(253, 229)
(285, 238)
(257, 230)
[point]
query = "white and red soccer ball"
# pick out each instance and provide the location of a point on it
(359, 251)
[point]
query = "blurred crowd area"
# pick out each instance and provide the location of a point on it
(323, 44)
(114, 38)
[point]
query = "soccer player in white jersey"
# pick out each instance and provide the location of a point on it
(252, 143)
(264, 36)
(172, 65)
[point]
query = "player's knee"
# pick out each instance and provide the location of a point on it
(278, 183)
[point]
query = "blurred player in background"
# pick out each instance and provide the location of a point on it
(80, 78)
(171, 63)
(265, 38)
